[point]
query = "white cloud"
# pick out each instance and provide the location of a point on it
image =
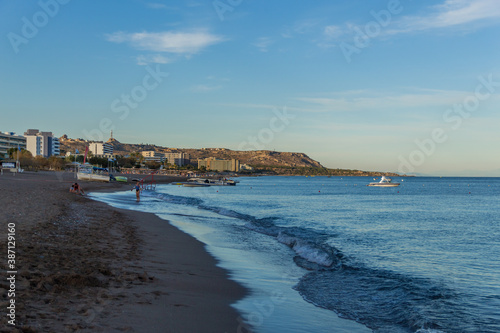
(176, 42)
(204, 88)
(152, 59)
(333, 31)
(459, 14)
(451, 13)
(156, 5)
(263, 43)
(372, 100)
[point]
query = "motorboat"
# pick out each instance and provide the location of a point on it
(196, 182)
(203, 182)
(384, 182)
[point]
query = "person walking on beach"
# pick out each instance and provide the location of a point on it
(137, 191)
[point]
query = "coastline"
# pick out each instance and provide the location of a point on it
(85, 266)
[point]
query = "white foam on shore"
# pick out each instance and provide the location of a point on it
(306, 250)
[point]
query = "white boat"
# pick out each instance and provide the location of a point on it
(384, 182)
(88, 172)
(202, 182)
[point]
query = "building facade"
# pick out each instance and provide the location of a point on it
(214, 164)
(101, 149)
(41, 143)
(152, 156)
(10, 140)
(178, 159)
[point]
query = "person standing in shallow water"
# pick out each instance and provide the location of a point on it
(137, 191)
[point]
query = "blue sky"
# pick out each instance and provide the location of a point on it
(409, 86)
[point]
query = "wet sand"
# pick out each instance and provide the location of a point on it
(83, 266)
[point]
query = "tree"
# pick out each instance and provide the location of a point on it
(40, 162)
(99, 161)
(13, 153)
(56, 163)
(126, 162)
(153, 165)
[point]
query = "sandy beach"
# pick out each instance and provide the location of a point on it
(83, 266)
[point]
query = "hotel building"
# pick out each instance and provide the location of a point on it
(41, 143)
(10, 140)
(152, 156)
(212, 163)
(101, 149)
(178, 159)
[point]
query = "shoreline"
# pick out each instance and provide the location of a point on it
(84, 266)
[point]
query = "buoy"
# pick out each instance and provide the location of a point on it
(319, 191)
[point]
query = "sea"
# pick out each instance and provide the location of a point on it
(330, 254)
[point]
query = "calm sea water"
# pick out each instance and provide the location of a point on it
(329, 254)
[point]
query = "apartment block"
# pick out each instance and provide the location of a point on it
(152, 156)
(41, 143)
(10, 140)
(178, 159)
(214, 164)
(101, 149)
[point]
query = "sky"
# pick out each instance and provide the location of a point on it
(404, 86)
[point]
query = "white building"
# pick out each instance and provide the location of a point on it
(179, 159)
(246, 167)
(152, 156)
(101, 149)
(10, 140)
(41, 143)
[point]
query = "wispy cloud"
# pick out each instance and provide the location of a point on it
(263, 43)
(202, 88)
(462, 15)
(156, 5)
(374, 100)
(152, 59)
(333, 31)
(301, 27)
(451, 13)
(175, 42)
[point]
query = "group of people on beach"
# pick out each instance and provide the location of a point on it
(75, 188)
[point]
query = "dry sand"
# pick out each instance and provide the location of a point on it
(83, 266)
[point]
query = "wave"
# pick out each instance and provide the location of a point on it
(388, 302)
(307, 250)
(382, 300)
(310, 255)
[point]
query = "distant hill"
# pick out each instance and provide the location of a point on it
(274, 162)
(259, 157)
